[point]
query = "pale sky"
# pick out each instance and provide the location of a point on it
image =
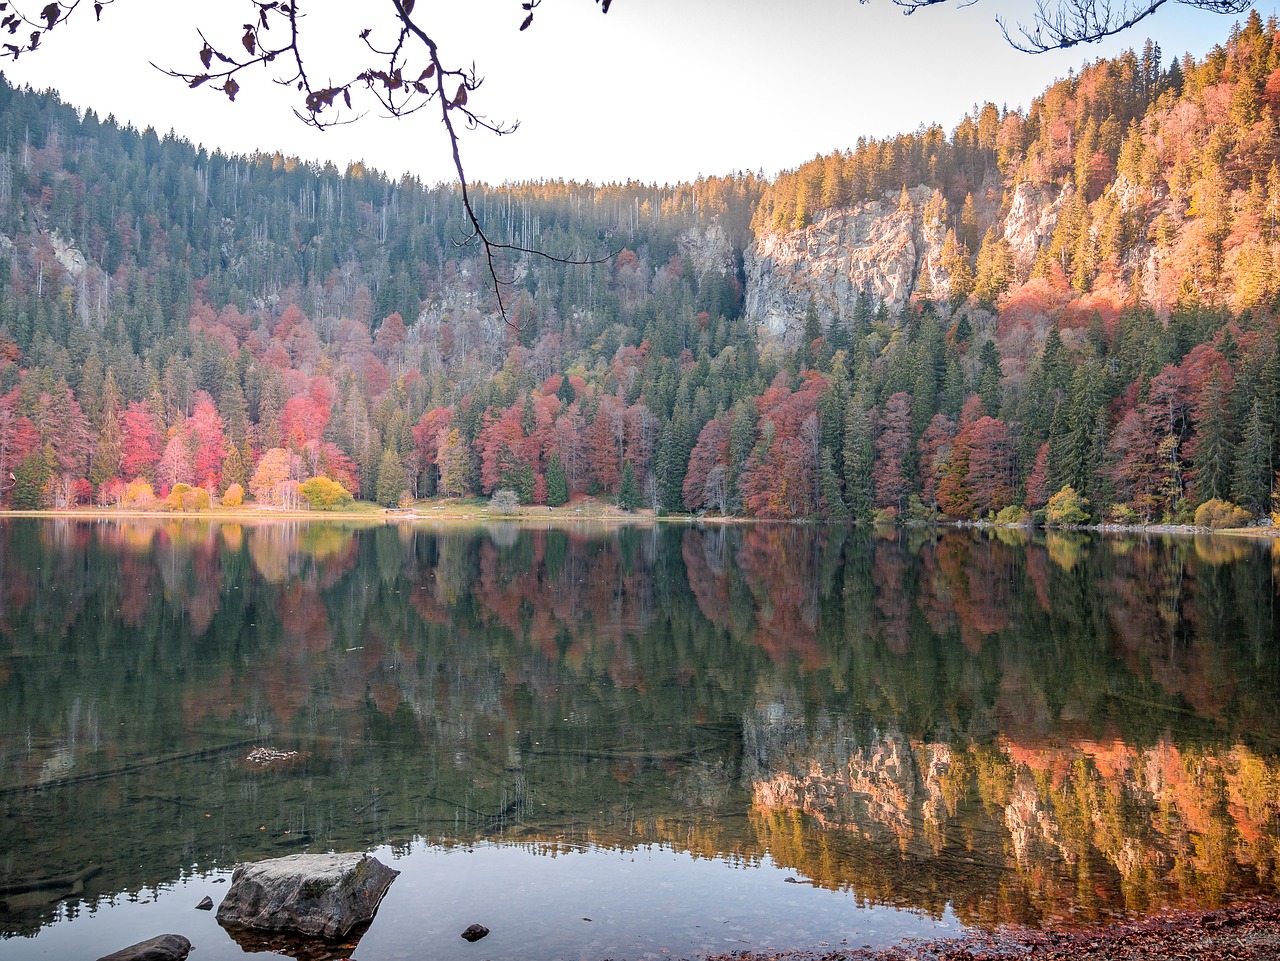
(656, 91)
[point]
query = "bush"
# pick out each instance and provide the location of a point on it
(324, 494)
(1122, 514)
(1066, 507)
(917, 510)
(184, 497)
(885, 515)
(504, 502)
(1011, 516)
(234, 496)
(139, 495)
(1219, 514)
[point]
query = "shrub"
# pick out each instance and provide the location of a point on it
(324, 494)
(1122, 514)
(234, 496)
(139, 495)
(184, 497)
(1066, 507)
(885, 515)
(1011, 516)
(504, 502)
(918, 510)
(1219, 514)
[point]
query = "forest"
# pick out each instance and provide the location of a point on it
(187, 327)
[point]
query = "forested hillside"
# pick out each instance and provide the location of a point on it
(1082, 295)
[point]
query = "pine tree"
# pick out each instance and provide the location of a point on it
(557, 483)
(628, 492)
(859, 456)
(29, 479)
(1252, 471)
(391, 478)
(837, 509)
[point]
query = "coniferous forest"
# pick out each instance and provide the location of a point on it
(1084, 324)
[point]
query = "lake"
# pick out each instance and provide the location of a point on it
(636, 742)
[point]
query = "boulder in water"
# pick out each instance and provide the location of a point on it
(318, 895)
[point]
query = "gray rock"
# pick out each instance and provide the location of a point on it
(166, 947)
(206, 904)
(318, 895)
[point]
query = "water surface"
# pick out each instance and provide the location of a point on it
(657, 730)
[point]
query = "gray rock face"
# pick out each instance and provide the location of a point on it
(318, 895)
(166, 947)
(874, 249)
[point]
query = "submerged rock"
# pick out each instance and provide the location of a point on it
(318, 895)
(166, 947)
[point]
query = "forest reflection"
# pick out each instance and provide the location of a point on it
(1029, 727)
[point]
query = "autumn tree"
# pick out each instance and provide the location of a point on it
(274, 470)
(324, 494)
(892, 445)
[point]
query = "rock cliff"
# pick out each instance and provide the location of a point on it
(885, 250)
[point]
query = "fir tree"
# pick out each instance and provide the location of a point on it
(557, 483)
(628, 492)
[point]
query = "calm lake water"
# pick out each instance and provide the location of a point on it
(629, 743)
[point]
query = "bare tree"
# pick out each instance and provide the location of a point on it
(1059, 24)
(406, 73)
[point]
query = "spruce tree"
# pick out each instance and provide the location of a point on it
(628, 492)
(1252, 474)
(859, 457)
(557, 483)
(391, 478)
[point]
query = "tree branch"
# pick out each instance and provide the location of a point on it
(1060, 24)
(400, 86)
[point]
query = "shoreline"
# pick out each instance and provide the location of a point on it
(595, 512)
(1248, 931)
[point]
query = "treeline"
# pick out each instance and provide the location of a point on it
(174, 318)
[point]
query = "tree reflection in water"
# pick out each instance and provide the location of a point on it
(1028, 727)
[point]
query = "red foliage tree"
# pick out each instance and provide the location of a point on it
(208, 440)
(710, 452)
(893, 441)
(141, 443)
(935, 453)
(302, 420)
(429, 433)
(500, 447)
(991, 465)
(781, 478)
(606, 443)
(1038, 480)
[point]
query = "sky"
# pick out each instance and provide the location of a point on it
(656, 90)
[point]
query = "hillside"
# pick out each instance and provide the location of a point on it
(1082, 294)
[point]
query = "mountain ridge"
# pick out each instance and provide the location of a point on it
(1077, 298)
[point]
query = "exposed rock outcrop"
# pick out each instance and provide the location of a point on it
(1033, 214)
(885, 250)
(166, 947)
(708, 249)
(875, 250)
(318, 895)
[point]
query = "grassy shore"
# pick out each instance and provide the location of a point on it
(477, 510)
(472, 509)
